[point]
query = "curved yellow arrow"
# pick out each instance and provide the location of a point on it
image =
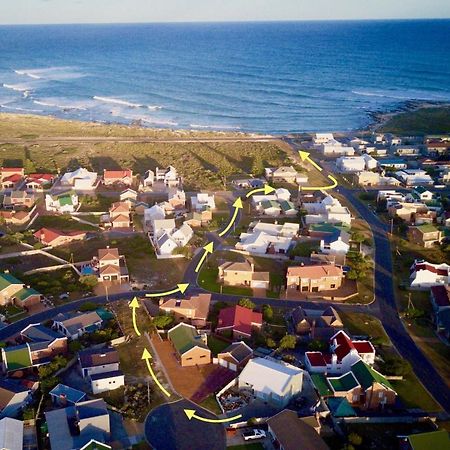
(181, 288)
(190, 413)
(237, 206)
(321, 188)
(266, 190)
(134, 304)
(147, 357)
(304, 156)
(209, 248)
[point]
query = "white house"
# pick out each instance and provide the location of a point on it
(270, 380)
(107, 381)
(411, 177)
(168, 176)
(425, 275)
(421, 193)
(165, 244)
(287, 229)
(391, 197)
(329, 210)
(202, 202)
(323, 138)
(80, 179)
(161, 226)
(65, 202)
(11, 434)
(261, 243)
(335, 243)
(343, 353)
(350, 164)
(182, 235)
(156, 212)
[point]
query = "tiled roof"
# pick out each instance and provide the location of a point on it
(316, 359)
(98, 357)
(321, 384)
(239, 318)
(185, 337)
(18, 357)
(343, 383)
(315, 271)
(6, 279)
(366, 375)
(441, 295)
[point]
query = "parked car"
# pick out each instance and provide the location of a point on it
(253, 434)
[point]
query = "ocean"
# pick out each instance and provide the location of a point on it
(277, 77)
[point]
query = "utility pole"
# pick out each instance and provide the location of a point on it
(392, 226)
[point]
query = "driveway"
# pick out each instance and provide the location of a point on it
(168, 428)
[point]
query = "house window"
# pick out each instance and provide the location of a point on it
(188, 359)
(332, 286)
(203, 356)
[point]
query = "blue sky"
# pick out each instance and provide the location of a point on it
(107, 11)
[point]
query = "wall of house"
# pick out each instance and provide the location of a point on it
(100, 369)
(196, 356)
(107, 384)
(237, 278)
(376, 395)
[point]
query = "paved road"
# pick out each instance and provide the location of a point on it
(388, 312)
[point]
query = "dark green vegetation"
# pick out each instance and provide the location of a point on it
(426, 120)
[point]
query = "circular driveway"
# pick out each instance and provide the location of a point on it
(168, 428)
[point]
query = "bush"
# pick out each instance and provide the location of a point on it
(162, 321)
(246, 303)
(267, 313)
(88, 306)
(355, 439)
(394, 365)
(288, 342)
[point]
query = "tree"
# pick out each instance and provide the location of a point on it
(288, 342)
(270, 343)
(267, 313)
(359, 267)
(88, 306)
(355, 439)
(162, 321)
(317, 346)
(88, 282)
(246, 303)
(75, 346)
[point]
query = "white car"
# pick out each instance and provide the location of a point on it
(253, 434)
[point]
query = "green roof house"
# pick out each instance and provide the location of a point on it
(13, 290)
(191, 347)
(95, 445)
(16, 358)
(340, 407)
(426, 235)
(65, 202)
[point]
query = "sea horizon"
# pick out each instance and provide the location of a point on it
(270, 77)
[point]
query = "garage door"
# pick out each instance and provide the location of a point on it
(259, 285)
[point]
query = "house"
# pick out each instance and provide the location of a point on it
(337, 243)
(156, 212)
(176, 199)
(18, 199)
(424, 275)
(64, 202)
(239, 320)
(15, 217)
(426, 235)
(11, 182)
(202, 202)
(323, 138)
(272, 381)
(362, 386)
(314, 278)
(343, 353)
(422, 193)
(190, 346)
(6, 172)
(165, 245)
(349, 164)
(54, 238)
(440, 297)
(235, 356)
(101, 368)
(96, 445)
(194, 309)
(76, 324)
(63, 395)
(169, 177)
(409, 211)
(111, 266)
(80, 179)
(284, 174)
(161, 226)
(129, 196)
(14, 291)
(424, 441)
(288, 229)
(14, 397)
(94, 361)
(77, 425)
(39, 181)
(407, 150)
(392, 163)
(327, 210)
(243, 274)
(261, 243)
(329, 146)
(290, 432)
(321, 325)
(11, 434)
(198, 219)
(118, 177)
(412, 177)
(367, 178)
(182, 235)
(119, 216)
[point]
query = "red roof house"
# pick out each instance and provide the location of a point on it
(123, 177)
(48, 236)
(343, 353)
(240, 320)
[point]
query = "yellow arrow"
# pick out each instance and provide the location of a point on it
(237, 206)
(147, 357)
(304, 156)
(266, 190)
(209, 248)
(134, 304)
(321, 188)
(190, 413)
(181, 288)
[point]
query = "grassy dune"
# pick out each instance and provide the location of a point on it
(202, 165)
